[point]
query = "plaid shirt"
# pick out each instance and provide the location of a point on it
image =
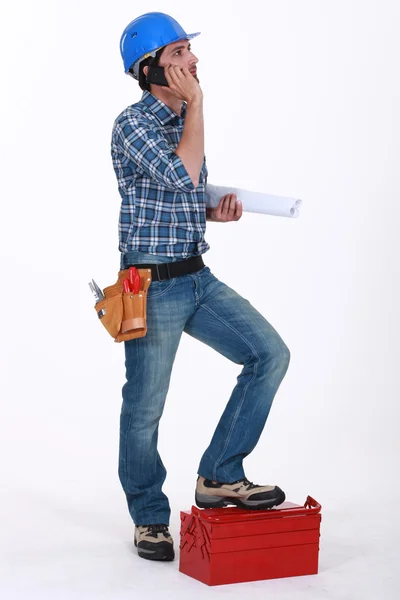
(161, 211)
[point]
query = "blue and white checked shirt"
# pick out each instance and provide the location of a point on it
(161, 211)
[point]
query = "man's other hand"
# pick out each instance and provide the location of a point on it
(228, 209)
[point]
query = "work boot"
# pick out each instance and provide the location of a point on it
(154, 542)
(242, 493)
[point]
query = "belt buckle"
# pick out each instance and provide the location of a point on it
(158, 272)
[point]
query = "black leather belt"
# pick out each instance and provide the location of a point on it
(161, 271)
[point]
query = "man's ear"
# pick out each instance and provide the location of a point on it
(145, 70)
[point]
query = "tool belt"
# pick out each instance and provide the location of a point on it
(122, 313)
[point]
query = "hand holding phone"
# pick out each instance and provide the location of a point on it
(182, 83)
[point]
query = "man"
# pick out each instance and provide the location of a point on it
(158, 157)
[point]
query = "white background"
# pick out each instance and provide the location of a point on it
(301, 99)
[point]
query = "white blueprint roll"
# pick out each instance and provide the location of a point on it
(256, 202)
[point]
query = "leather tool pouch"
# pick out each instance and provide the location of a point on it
(123, 314)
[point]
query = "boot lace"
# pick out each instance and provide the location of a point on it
(249, 485)
(157, 528)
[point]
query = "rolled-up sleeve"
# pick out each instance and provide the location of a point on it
(151, 152)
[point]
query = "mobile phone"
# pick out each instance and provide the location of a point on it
(156, 75)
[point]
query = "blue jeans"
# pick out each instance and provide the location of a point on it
(210, 311)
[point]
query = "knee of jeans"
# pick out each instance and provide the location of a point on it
(142, 422)
(284, 353)
(277, 352)
(284, 356)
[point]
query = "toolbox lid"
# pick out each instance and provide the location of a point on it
(235, 514)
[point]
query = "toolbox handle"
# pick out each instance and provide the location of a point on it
(311, 506)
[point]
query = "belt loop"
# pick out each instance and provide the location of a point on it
(158, 272)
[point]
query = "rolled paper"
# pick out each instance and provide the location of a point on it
(256, 202)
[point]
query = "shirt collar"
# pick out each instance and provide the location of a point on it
(163, 113)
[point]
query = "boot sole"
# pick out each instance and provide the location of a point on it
(205, 501)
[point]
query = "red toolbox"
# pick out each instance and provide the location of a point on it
(231, 545)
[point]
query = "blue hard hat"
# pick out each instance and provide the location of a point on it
(147, 34)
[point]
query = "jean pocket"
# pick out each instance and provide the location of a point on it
(159, 288)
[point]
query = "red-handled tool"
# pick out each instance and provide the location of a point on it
(134, 280)
(136, 284)
(132, 275)
(132, 285)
